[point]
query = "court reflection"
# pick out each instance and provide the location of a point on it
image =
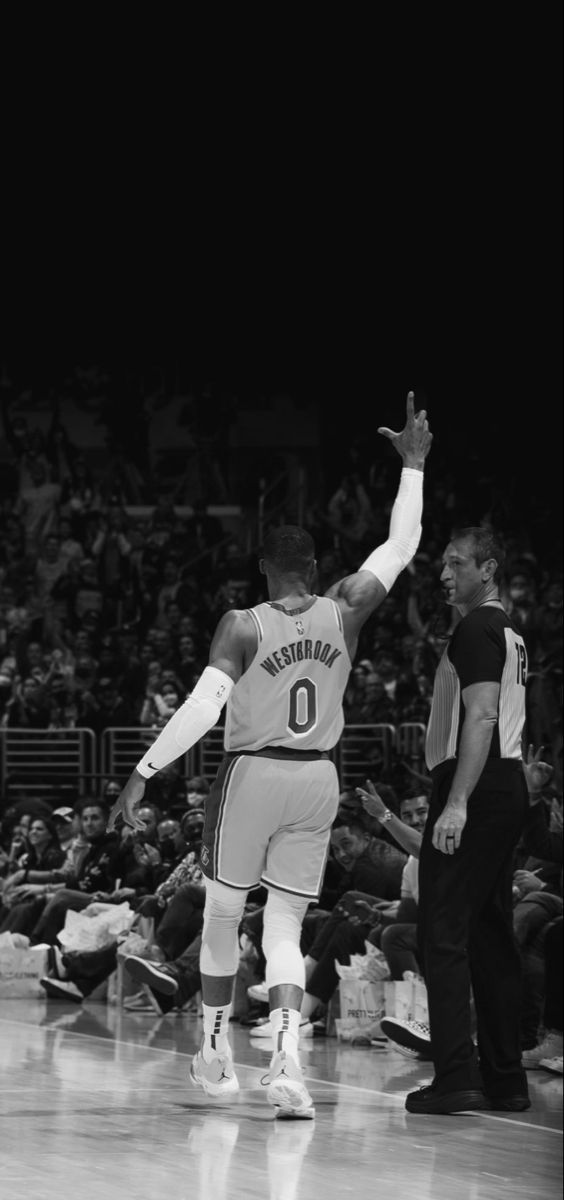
(258, 1156)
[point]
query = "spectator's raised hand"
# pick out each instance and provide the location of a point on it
(537, 773)
(372, 803)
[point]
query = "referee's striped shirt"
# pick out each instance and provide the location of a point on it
(485, 647)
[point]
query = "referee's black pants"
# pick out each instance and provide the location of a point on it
(466, 940)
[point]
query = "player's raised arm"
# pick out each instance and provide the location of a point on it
(361, 593)
(199, 713)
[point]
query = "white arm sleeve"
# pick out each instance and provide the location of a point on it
(199, 713)
(388, 560)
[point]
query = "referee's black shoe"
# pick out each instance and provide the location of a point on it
(518, 1102)
(430, 1100)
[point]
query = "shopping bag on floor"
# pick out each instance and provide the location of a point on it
(362, 1005)
(399, 995)
(21, 968)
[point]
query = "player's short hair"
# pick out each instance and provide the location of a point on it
(289, 548)
(487, 544)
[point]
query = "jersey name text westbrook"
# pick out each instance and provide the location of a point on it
(299, 651)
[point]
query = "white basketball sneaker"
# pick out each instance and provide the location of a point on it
(217, 1078)
(286, 1089)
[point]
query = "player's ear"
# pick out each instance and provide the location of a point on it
(262, 568)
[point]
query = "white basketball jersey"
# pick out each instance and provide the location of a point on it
(292, 693)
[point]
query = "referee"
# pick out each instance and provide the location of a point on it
(477, 810)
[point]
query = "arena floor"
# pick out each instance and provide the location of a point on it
(96, 1103)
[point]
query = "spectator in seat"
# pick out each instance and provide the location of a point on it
(85, 592)
(159, 705)
(398, 940)
(197, 790)
(69, 547)
(105, 707)
(171, 846)
(191, 661)
(73, 885)
(544, 842)
(29, 707)
(20, 910)
(38, 504)
(176, 906)
(168, 789)
(67, 826)
(138, 862)
(80, 495)
(50, 566)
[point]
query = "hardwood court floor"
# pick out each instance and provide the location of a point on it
(95, 1103)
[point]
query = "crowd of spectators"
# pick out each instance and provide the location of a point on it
(106, 618)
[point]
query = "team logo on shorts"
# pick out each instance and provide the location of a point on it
(204, 857)
(300, 626)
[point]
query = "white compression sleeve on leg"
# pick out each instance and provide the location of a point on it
(199, 713)
(283, 916)
(388, 560)
(223, 912)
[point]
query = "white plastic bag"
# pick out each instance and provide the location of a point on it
(372, 966)
(362, 1007)
(96, 926)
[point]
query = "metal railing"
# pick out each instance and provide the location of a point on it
(364, 750)
(49, 762)
(410, 742)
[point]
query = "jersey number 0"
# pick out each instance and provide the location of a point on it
(302, 714)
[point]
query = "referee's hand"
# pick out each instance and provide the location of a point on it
(448, 829)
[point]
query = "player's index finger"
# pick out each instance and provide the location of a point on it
(410, 404)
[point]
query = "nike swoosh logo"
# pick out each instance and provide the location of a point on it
(151, 767)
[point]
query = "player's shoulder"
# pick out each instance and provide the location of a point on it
(237, 620)
(357, 595)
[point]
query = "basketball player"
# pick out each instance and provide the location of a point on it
(282, 669)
